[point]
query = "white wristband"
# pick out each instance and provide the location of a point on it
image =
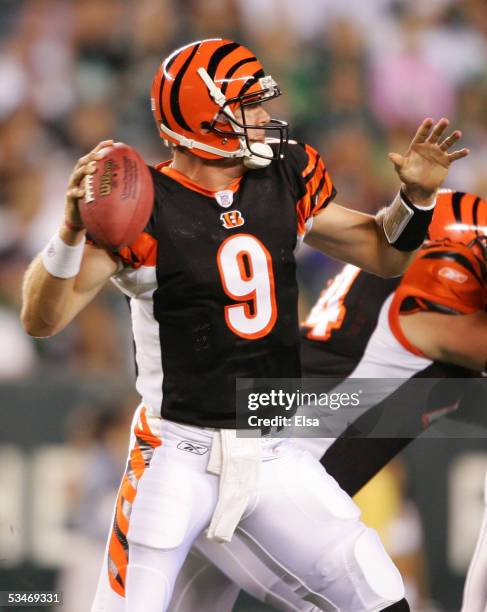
(62, 260)
(396, 216)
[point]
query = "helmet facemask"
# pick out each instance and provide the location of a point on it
(268, 91)
(276, 129)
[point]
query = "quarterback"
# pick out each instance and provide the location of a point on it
(212, 292)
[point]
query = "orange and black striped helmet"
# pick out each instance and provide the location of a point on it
(196, 92)
(460, 217)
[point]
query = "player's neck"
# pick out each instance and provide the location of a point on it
(213, 175)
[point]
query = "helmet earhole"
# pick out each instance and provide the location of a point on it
(205, 127)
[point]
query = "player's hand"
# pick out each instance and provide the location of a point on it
(425, 165)
(76, 189)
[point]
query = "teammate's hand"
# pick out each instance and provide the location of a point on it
(76, 189)
(425, 165)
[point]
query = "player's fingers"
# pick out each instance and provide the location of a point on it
(102, 144)
(450, 140)
(458, 154)
(396, 159)
(75, 193)
(99, 151)
(438, 130)
(80, 172)
(94, 153)
(423, 131)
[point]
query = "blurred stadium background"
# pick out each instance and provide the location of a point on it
(357, 77)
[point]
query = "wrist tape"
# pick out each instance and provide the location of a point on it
(405, 224)
(62, 260)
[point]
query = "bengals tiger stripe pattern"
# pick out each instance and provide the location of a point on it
(461, 217)
(319, 189)
(140, 457)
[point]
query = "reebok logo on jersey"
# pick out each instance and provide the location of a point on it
(453, 275)
(192, 447)
(232, 219)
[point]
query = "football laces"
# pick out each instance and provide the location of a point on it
(89, 188)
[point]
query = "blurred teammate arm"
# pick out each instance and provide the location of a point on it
(459, 339)
(385, 244)
(49, 302)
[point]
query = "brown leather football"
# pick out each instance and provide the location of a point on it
(118, 199)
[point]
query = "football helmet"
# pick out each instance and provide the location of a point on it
(195, 96)
(460, 217)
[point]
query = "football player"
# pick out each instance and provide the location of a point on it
(212, 290)
(340, 339)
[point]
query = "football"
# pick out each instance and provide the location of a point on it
(118, 198)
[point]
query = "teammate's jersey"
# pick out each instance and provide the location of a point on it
(359, 311)
(339, 326)
(212, 288)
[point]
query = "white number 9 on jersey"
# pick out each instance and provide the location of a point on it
(245, 267)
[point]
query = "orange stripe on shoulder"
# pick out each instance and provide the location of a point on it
(303, 211)
(312, 157)
(142, 252)
(324, 193)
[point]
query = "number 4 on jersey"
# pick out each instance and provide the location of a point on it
(245, 267)
(329, 311)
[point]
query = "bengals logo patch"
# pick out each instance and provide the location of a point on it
(232, 219)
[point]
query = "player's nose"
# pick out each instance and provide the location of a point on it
(263, 117)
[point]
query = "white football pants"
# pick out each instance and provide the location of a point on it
(299, 521)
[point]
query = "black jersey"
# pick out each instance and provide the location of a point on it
(212, 285)
(339, 326)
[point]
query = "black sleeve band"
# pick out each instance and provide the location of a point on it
(413, 235)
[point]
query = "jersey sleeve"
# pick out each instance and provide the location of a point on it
(312, 185)
(142, 252)
(445, 279)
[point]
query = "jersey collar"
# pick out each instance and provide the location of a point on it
(165, 168)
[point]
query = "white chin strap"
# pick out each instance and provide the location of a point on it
(251, 161)
(254, 162)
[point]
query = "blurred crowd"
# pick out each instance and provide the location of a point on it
(357, 78)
